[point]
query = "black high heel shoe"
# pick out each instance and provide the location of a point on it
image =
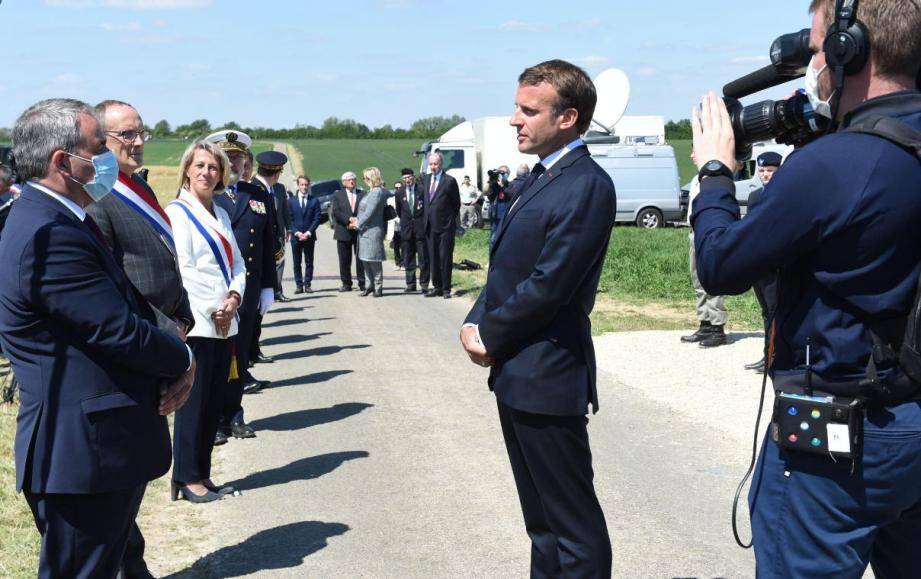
(179, 489)
(225, 490)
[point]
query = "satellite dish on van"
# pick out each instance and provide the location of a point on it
(613, 89)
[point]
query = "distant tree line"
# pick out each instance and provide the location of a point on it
(332, 128)
(678, 131)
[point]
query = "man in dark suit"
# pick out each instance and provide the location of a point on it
(250, 211)
(97, 377)
(412, 231)
(139, 234)
(344, 208)
(441, 208)
(305, 218)
(270, 164)
(531, 322)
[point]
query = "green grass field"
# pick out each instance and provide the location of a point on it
(169, 151)
(330, 158)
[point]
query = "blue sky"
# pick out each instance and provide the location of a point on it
(280, 63)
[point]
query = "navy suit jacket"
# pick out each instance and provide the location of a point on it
(304, 220)
(533, 314)
(442, 211)
(412, 219)
(89, 358)
(251, 217)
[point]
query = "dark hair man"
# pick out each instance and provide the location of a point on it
(85, 348)
(530, 324)
(839, 221)
(140, 235)
(412, 231)
(270, 165)
(305, 218)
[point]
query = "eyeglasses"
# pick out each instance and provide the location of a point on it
(130, 136)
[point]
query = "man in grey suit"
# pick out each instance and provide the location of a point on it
(138, 233)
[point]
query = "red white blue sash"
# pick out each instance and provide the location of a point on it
(140, 201)
(219, 245)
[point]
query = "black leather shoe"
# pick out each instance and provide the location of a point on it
(345, 288)
(242, 430)
(225, 490)
(759, 365)
(307, 290)
(702, 332)
(251, 364)
(446, 295)
(252, 387)
(716, 338)
(299, 290)
(179, 489)
(263, 359)
(378, 293)
(282, 298)
(220, 438)
(366, 292)
(434, 293)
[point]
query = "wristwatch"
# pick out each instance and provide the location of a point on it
(715, 168)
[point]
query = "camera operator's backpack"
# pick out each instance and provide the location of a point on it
(896, 341)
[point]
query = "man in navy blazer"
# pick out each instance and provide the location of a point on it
(97, 378)
(531, 324)
(441, 209)
(305, 218)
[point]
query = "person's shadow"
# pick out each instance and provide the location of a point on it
(310, 417)
(301, 469)
(279, 548)
(315, 378)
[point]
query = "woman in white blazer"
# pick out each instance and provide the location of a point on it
(214, 276)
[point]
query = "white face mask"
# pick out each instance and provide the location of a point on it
(821, 107)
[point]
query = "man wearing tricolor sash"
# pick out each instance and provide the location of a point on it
(139, 233)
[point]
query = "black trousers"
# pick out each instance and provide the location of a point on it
(245, 347)
(302, 252)
(415, 251)
(397, 244)
(441, 252)
(254, 349)
(552, 465)
(196, 422)
(83, 536)
(347, 251)
(134, 552)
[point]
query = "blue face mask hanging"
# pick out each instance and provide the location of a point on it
(106, 167)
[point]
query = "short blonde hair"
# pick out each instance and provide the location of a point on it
(893, 28)
(216, 152)
(372, 177)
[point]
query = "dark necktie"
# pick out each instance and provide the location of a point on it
(536, 172)
(94, 228)
(433, 187)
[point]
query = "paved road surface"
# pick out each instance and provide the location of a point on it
(379, 452)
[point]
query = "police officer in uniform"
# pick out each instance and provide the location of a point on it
(249, 208)
(840, 222)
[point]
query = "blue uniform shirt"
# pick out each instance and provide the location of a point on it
(841, 221)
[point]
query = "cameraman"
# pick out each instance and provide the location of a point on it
(840, 221)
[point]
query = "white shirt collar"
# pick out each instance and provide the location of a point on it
(74, 208)
(552, 158)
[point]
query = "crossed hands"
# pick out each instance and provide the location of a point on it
(302, 236)
(225, 314)
(475, 348)
(353, 223)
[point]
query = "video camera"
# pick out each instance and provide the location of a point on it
(791, 121)
(6, 159)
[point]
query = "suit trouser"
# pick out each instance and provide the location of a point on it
(244, 352)
(196, 422)
(441, 251)
(374, 274)
(709, 308)
(347, 251)
(397, 244)
(302, 251)
(552, 466)
(83, 536)
(134, 551)
(415, 251)
(812, 516)
(279, 274)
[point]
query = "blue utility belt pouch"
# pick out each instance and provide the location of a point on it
(826, 424)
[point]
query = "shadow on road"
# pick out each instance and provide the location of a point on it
(279, 548)
(314, 378)
(321, 351)
(310, 417)
(289, 309)
(302, 469)
(293, 338)
(279, 323)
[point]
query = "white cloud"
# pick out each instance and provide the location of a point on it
(531, 27)
(519, 26)
(746, 59)
(120, 27)
(592, 60)
(646, 71)
(131, 4)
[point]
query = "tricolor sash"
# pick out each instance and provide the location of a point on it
(221, 248)
(135, 197)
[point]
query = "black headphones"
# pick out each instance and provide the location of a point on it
(847, 44)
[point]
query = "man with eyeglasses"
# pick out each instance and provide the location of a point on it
(140, 236)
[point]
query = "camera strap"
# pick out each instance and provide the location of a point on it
(891, 129)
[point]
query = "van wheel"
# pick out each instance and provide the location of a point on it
(650, 218)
